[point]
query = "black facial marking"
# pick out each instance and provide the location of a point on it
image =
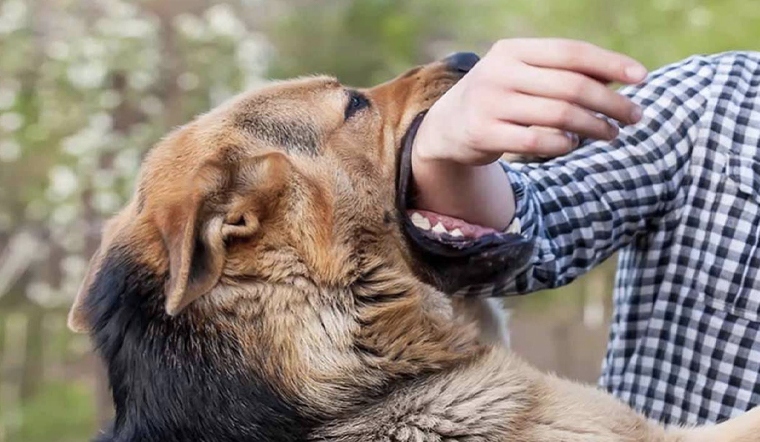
(294, 136)
(178, 378)
(356, 102)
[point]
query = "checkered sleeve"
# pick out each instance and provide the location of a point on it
(582, 207)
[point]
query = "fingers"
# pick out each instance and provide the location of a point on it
(527, 110)
(532, 141)
(576, 56)
(574, 88)
(533, 98)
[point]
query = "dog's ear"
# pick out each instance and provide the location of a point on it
(223, 205)
(224, 202)
(196, 253)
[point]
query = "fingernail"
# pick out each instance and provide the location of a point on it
(635, 72)
(614, 130)
(573, 138)
(636, 114)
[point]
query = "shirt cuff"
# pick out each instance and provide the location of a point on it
(524, 220)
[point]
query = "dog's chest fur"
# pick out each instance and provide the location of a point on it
(178, 379)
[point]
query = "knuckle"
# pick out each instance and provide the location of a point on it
(503, 46)
(481, 79)
(531, 141)
(578, 88)
(575, 52)
(500, 45)
(563, 115)
(577, 47)
(473, 131)
(567, 48)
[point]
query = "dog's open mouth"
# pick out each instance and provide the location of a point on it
(449, 229)
(477, 252)
(444, 227)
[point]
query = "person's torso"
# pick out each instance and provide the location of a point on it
(685, 338)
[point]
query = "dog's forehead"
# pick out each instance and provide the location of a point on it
(290, 115)
(280, 94)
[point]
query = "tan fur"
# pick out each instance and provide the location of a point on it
(275, 222)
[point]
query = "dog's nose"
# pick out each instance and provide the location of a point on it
(461, 61)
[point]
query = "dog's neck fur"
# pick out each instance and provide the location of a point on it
(197, 376)
(177, 378)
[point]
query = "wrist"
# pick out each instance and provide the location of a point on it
(480, 195)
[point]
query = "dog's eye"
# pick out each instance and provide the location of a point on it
(356, 102)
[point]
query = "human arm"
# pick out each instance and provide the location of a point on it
(527, 96)
(582, 207)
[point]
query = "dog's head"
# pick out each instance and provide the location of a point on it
(266, 274)
(303, 178)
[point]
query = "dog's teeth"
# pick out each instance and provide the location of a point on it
(420, 221)
(456, 233)
(438, 228)
(515, 227)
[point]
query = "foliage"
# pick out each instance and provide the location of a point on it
(41, 422)
(85, 89)
(82, 102)
(364, 42)
(655, 32)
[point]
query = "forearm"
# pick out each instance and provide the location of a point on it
(583, 207)
(484, 194)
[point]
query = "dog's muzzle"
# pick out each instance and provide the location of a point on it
(465, 261)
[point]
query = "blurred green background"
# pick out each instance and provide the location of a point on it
(86, 86)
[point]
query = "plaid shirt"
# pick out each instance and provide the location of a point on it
(678, 195)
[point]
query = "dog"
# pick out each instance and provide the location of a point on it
(266, 283)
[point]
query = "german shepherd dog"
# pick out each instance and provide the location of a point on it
(265, 283)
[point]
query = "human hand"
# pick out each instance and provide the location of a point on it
(526, 97)
(531, 97)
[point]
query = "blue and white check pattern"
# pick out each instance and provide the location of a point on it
(678, 195)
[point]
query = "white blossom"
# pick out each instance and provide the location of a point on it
(10, 151)
(127, 161)
(13, 16)
(223, 21)
(63, 182)
(11, 121)
(190, 26)
(106, 202)
(700, 17)
(151, 105)
(93, 156)
(58, 50)
(109, 99)
(64, 214)
(88, 75)
(7, 96)
(42, 293)
(140, 80)
(188, 81)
